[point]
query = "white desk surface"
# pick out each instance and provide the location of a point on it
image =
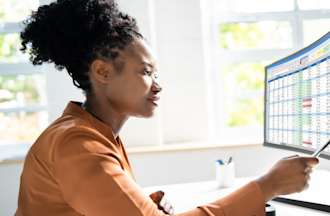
(187, 196)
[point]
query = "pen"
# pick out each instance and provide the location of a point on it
(230, 160)
(319, 150)
(220, 162)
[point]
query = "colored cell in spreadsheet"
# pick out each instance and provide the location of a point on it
(298, 98)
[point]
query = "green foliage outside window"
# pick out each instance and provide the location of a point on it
(26, 85)
(245, 76)
(18, 90)
(247, 111)
(255, 35)
(244, 84)
(242, 35)
(9, 48)
(244, 81)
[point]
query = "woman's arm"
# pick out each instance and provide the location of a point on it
(93, 183)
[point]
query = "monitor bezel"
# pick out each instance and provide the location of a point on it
(280, 61)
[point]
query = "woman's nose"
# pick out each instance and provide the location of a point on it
(156, 87)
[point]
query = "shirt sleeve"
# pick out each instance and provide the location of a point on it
(93, 183)
(246, 201)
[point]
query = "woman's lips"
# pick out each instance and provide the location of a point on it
(153, 99)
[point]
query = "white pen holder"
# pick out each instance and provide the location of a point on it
(225, 174)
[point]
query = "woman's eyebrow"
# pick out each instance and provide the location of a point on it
(148, 64)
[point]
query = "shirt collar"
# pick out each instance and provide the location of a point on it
(74, 108)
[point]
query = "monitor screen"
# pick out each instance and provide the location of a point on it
(297, 99)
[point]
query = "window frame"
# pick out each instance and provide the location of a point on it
(295, 17)
(21, 68)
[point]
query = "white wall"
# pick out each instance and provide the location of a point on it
(198, 165)
(180, 48)
(9, 186)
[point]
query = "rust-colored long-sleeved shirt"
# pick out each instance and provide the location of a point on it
(76, 167)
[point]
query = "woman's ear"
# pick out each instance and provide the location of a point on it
(101, 71)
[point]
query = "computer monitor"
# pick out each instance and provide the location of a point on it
(297, 99)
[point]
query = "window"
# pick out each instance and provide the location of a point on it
(23, 112)
(250, 35)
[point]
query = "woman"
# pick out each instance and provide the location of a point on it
(78, 165)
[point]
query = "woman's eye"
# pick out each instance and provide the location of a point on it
(149, 73)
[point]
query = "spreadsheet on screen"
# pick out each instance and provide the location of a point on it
(297, 99)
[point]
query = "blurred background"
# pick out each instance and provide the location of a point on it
(211, 55)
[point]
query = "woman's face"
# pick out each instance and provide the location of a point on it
(132, 90)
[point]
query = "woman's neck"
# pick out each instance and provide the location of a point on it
(103, 111)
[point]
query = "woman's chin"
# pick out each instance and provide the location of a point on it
(146, 111)
(149, 114)
(149, 110)
(145, 114)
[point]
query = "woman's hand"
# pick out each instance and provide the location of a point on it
(287, 176)
(162, 203)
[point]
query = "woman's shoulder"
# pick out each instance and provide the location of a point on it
(63, 126)
(67, 132)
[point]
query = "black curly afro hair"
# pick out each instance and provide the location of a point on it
(73, 33)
